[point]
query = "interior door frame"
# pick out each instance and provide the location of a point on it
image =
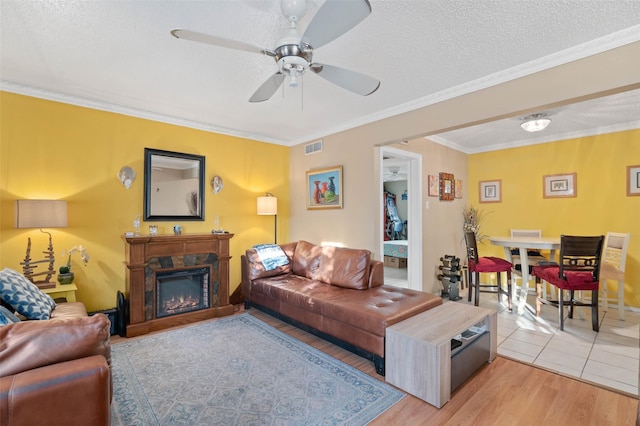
(414, 212)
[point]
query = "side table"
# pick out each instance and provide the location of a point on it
(66, 291)
(419, 356)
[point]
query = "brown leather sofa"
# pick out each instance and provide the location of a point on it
(57, 371)
(336, 293)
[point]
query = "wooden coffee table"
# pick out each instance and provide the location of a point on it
(419, 354)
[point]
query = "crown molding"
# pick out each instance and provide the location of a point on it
(602, 44)
(557, 137)
(49, 95)
(590, 48)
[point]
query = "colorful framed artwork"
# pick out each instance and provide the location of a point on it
(490, 191)
(447, 187)
(324, 188)
(458, 191)
(633, 180)
(434, 186)
(560, 186)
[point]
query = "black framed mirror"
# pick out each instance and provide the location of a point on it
(173, 185)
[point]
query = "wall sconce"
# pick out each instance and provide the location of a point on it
(216, 184)
(40, 214)
(126, 175)
(268, 206)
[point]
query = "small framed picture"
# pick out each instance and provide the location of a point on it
(434, 186)
(490, 191)
(633, 180)
(447, 187)
(324, 188)
(560, 186)
(458, 193)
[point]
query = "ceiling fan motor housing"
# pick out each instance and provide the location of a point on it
(292, 60)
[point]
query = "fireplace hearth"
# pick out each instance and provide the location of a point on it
(176, 279)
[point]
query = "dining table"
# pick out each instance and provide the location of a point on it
(522, 244)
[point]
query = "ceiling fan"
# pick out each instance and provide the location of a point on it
(294, 54)
(393, 173)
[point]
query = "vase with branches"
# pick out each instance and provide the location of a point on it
(473, 218)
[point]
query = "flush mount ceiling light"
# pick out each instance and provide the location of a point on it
(535, 122)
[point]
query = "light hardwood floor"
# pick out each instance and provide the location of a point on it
(504, 392)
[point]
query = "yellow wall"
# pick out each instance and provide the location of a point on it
(55, 150)
(601, 204)
(59, 151)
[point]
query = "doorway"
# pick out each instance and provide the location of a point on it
(397, 165)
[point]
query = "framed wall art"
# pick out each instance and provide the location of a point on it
(458, 190)
(434, 186)
(633, 180)
(447, 187)
(324, 188)
(490, 191)
(560, 186)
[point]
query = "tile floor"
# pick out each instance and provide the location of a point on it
(610, 357)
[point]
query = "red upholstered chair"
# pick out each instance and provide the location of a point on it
(578, 269)
(479, 265)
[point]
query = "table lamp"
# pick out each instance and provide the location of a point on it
(40, 214)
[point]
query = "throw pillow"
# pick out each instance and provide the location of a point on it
(6, 317)
(24, 296)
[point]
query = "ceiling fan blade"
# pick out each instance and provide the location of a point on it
(353, 81)
(219, 41)
(268, 88)
(334, 18)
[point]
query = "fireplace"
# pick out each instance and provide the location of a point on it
(175, 279)
(185, 290)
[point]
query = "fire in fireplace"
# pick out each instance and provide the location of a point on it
(180, 291)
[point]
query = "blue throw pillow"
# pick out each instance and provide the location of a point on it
(24, 296)
(7, 317)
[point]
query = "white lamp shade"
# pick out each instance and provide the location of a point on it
(41, 214)
(267, 205)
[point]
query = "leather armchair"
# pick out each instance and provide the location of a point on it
(56, 372)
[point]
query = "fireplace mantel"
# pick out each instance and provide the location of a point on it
(144, 256)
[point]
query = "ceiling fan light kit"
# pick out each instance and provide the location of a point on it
(294, 54)
(535, 122)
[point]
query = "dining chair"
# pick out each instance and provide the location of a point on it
(614, 260)
(534, 256)
(578, 269)
(487, 264)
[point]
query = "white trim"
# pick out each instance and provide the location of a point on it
(593, 47)
(581, 51)
(621, 127)
(20, 89)
(414, 235)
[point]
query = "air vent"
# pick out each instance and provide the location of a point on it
(313, 147)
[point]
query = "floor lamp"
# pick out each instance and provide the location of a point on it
(268, 206)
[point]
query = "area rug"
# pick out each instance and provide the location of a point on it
(239, 371)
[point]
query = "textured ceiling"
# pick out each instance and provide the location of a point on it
(120, 56)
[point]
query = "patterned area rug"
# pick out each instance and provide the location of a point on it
(239, 371)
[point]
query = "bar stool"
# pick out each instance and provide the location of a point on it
(486, 264)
